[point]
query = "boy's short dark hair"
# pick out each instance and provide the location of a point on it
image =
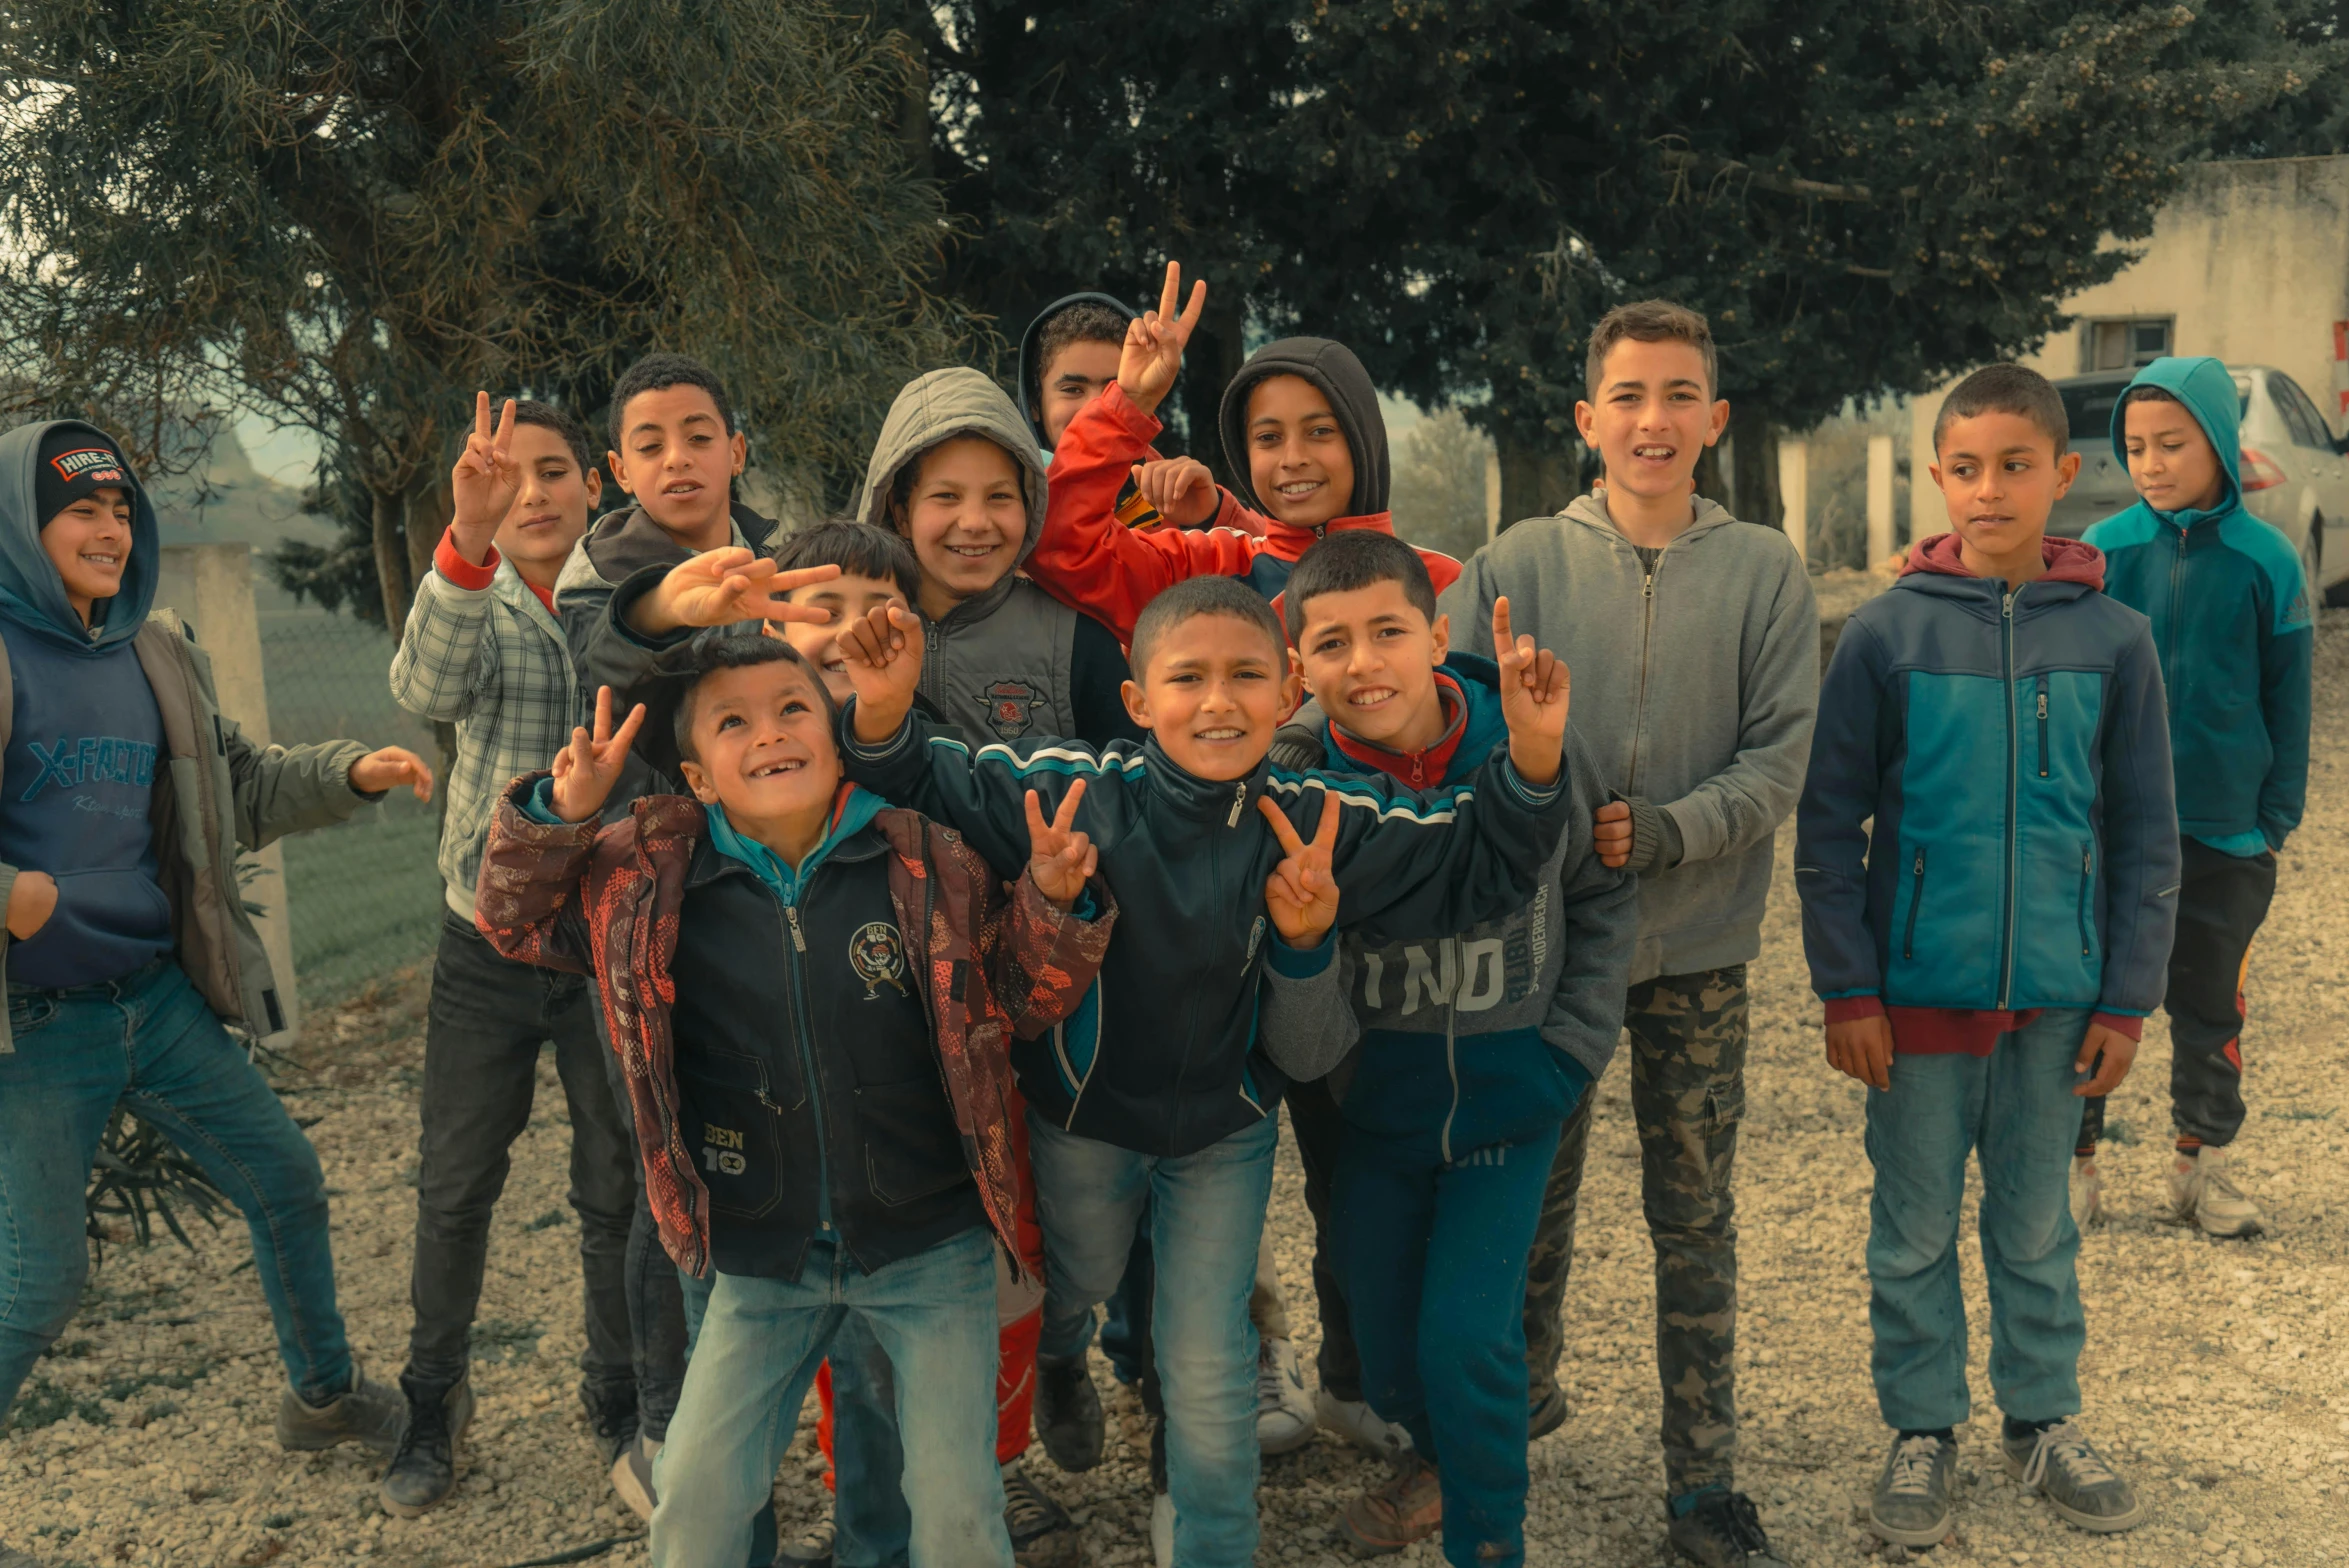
(858, 549)
(573, 434)
(1342, 563)
(1086, 321)
(1197, 596)
(1649, 321)
(2007, 389)
(657, 373)
(2150, 394)
(721, 649)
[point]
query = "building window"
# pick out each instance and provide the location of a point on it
(2124, 344)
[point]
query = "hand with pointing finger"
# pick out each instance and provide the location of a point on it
(586, 770)
(1301, 895)
(1060, 859)
(1155, 340)
(1534, 691)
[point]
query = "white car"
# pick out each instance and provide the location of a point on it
(2295, 472)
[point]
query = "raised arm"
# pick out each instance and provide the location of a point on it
(542, 836)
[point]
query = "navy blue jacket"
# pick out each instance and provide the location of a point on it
(2012, 753)
(2231, 619)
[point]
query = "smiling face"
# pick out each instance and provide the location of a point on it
(966, 517)
(1999, 477)
(763, 749)
(677, 458)
(819, 641)
(550, 510)
(1215, 690)
(2171, 462)
(89, 543)
(1652, 418)
(1076, 376)
(1298, 459)
(1369, 656)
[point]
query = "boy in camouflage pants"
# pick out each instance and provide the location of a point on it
(1694, 643)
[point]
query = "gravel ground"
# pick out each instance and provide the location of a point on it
(2214, 1371)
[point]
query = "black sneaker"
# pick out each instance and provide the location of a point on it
(611, 1416)
(1724, 1531)
(1042, 1533)
(813, 1549)
(1547, 1415)
(424, 1470)
(1068, 1412)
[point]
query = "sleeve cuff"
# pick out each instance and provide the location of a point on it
(1845, 1009)
(1535, 795)
(1121, 411)
(1301, 963)
(460, 572)
(539, 804)
(881, 752)
(627, 596)
(2133, 1026)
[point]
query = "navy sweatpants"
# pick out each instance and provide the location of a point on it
(1432, 1257)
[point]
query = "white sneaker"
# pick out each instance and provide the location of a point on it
(632, 1476)
(1162, 1529)
(1358, 1424)
(1284, 1412)
(2087, 1192)
(2221, 1206)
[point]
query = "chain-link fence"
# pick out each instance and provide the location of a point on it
(365, 896)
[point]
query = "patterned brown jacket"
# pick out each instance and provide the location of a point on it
(605, 899)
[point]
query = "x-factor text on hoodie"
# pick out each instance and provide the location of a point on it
(1089, 560)
(2011, 751)
(2232, 624)
(1491, 1034)
(1164, 1056)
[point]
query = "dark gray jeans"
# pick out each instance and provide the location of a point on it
(489, 1018)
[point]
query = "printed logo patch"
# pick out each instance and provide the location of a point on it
(877, 954)
(92, 463)
(721, 1150)
(1011, 708)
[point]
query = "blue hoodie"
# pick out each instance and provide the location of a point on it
(77, 777)
(2231, 621)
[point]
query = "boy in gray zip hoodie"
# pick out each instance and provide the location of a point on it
(1694, 643)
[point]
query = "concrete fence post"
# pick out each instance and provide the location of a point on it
(211, 586)
(1794, 492)
(1879, 498)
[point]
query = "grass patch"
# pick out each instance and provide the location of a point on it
(2298, 1113)
(547, 1221)
(2119, 1132)
(496, 1339)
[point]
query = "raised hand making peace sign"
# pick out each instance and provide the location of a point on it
(720, 587)
(586, 770)
(1060, 858)
(1535, 687)
(484, 482)
(1301, 895)
(1154, 342)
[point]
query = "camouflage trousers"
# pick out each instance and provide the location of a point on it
(1688, 1039)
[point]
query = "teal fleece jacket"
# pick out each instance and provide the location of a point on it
(2233, 628)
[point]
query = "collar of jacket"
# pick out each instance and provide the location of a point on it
(2066, 560)
(1983, 595)
(627, 541)
(981, 604)
(1422, 769)
(1287, 541)
(1590, 510)
(1207, 801)
(723, 849)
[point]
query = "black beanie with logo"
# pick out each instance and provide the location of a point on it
(74, 461)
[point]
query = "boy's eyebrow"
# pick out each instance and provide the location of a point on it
(700, 416)
(1274, 419)
(1628, 384)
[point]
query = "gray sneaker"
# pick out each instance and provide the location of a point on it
(369, 1413)
(2062, 1466)
(1911, 1505)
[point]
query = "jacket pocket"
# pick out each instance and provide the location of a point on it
(1908, 938)
(2087, 892)
(912, 1149)
(733, 1124)
(27, 1013)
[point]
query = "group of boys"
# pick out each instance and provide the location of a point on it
(931, 910)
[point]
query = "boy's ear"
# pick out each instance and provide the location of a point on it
(1720, 421)
(2067, 469)
(593, 479)
(1137, 704)
(1441, 630)
(699, 782)
(619, 470)
(1586, 422)
(740, 445)
(1292, 687)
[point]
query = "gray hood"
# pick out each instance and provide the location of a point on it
(936, 406)
(31, 593)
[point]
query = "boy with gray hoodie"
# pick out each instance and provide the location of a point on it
(1694, 643)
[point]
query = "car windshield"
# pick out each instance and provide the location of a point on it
(2088, 406)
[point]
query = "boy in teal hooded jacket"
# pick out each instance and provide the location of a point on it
(2232, 621)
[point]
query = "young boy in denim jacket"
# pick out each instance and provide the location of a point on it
(125, 798)
(2229, 605)
(811, 994)
(1987, 855)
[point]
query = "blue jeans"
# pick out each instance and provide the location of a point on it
(2016, 1107)
(1432, 1257)
(149, 1043)
(755, 1355)
(1206, 1215)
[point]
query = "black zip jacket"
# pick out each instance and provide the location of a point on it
(1163, 1055)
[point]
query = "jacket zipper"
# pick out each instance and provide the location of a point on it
(1908, 942)
(807, 1062)
(2043, 726)
(2014, 765)
(1451, 1046)
(1239, 799)
(2169, 633)
(1647, 627)
(2087, 881)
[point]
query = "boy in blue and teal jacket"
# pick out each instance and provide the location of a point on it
(2231, 620)
(1989, 943)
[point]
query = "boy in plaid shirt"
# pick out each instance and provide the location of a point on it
(482, 649)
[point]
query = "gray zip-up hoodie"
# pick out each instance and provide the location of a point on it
(1695, 687)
